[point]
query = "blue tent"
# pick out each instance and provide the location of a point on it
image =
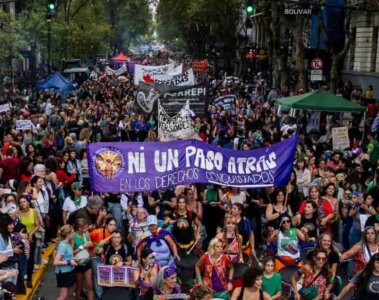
(56, 82)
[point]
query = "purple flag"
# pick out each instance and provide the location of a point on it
(147, 166)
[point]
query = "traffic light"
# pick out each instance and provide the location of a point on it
(51, 9)
(51, 6)
(250, 9)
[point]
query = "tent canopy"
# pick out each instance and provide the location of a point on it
(320, 101)
(121, 57)
(55, 81)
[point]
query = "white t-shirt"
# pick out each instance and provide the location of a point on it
(70, 206)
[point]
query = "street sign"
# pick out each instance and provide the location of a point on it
(316, 77)
(317, 64)
(316, 72)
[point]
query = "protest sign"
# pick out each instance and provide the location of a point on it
(176, 127)
(115, 276)
(123, 69)
(340, 137)
(172, 98)
(226, 102)
(141, 71)
(149, 166)
(313, 121)
(24, 125)
(200, 66)
(186, 78)
(5, 107)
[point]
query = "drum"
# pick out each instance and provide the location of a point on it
(115, 293)
(186, 269)
(239, 270)
(287, 272)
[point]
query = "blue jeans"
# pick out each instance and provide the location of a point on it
(98, 289)
(11, 267)
(115, 210)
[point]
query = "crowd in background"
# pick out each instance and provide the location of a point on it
(231, 242)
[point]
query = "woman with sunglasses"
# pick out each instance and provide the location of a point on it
(287, 242)
(364, 250)
(74, 202)
(316, 275)
(365, 282)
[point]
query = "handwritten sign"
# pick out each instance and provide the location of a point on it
(24, 125)
(5, 107)
(340, 136)
(115, 276)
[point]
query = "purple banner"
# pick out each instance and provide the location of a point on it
(134, 167)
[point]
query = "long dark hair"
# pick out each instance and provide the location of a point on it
(325, 271)
(366, 274)
(5, 220)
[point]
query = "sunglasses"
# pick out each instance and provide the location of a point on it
(286, 221)
(320, 258)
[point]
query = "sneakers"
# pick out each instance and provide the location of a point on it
(44, 262)
(36, 267)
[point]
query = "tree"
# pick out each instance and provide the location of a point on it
(130, 21)
(203, 24)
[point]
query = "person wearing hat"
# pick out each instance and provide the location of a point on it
(165, 282)
(74, 201)
(160, 241)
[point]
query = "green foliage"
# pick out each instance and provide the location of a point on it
(201, 23)
(10, 37)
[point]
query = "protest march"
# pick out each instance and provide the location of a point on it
(169, 185)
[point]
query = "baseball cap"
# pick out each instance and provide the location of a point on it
(76, 185)
(151, 220)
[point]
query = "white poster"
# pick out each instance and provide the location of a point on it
(5, 107)
(175, 127)
(186, 78)
(340, 137)
(109, 71)
(313, 121)
(177, 70)
(143, 73)
(24, 125)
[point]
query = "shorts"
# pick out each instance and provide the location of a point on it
(66, 280)
(83, 267)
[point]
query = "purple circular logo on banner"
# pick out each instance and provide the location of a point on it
(109, 162)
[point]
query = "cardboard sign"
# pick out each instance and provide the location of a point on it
(115, 276)
(340, 136)
(5, 107)
(24, 125)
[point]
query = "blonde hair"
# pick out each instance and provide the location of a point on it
(64, 232)
(211, 245)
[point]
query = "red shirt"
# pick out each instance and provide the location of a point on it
(63, 177)
(10, 169)
(326, 207)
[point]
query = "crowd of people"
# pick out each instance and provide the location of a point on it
(202, 240)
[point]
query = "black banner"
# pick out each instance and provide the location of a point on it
(172, 98)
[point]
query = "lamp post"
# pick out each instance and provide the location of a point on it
(50, 13)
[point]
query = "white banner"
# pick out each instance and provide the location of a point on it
(141, 71)
(109, 71)
(176, 127)
(24, 125)
(340, 137)
(5, 107)
(186, 78)
(176, 71)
